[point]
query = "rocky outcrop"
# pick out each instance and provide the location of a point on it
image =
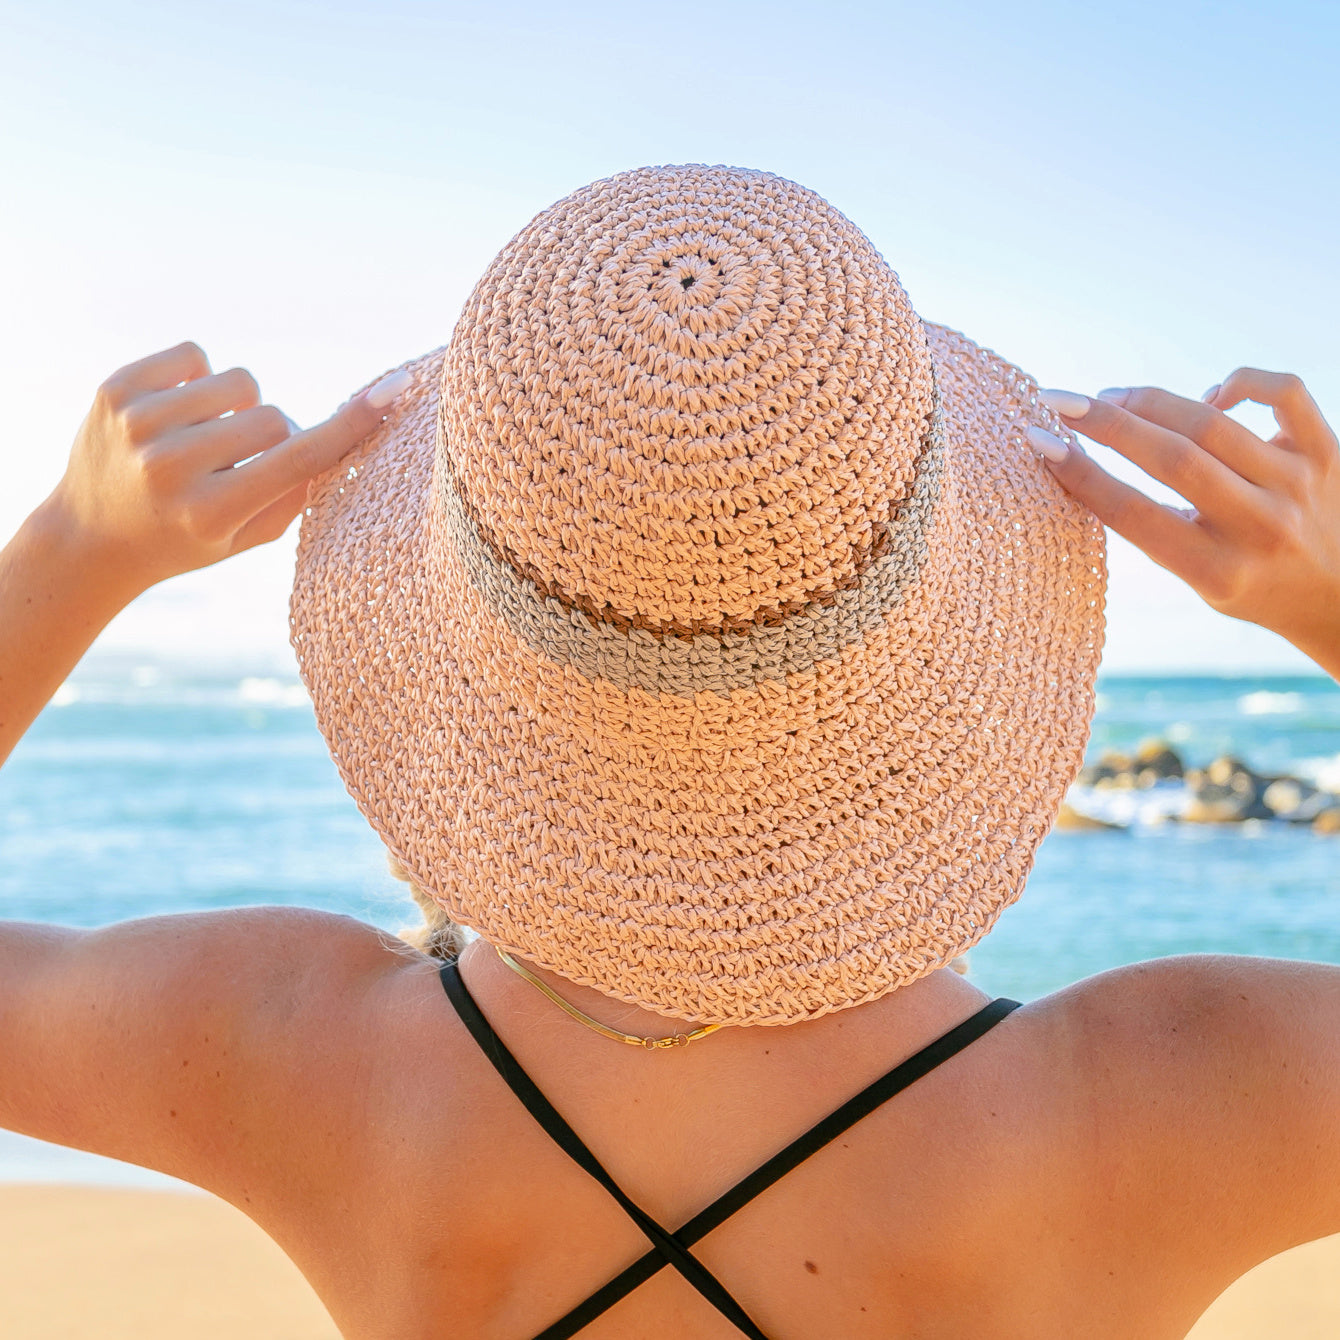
(1225, 791)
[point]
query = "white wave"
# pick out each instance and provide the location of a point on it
(1322, 772)
(1265, 703)
(1155, 804)
(266, 692)
(65, 695)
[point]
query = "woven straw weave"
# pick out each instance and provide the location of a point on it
(700, 627)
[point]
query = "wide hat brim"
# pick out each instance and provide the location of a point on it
(794, 847)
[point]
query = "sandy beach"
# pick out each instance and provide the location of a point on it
(153, 1265)
(118, 1263)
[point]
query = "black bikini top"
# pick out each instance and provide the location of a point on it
(672, 1248)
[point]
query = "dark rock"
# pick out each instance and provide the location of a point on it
(1157, 760)
(1152, 762)
(1225, 768)
(1107, 767)
(1227, 792)
(1328, 821)
(1294, 801)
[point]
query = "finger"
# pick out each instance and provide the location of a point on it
(1170, 457)
(197, 401)
(1169, 536)
(223, 443)
(1229, 442)
(1295, 411)
(182, 363)
(302, 456)
(272, 521)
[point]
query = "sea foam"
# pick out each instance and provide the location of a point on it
(1266, 703)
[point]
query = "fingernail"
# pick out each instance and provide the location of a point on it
(390, 388)
(1047, 445)
(292, 427)
(1212, 392)
(1066, 402)
(1115, 395)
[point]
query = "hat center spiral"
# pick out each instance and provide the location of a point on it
(689, 272)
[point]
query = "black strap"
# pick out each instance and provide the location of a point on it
(672, 1249)
(833, 1125)
(668, 1249)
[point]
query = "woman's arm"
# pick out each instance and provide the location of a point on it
(1217, 1079)
(198, 1044)
(142, 1040)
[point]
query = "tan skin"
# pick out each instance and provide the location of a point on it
(1102, 1164)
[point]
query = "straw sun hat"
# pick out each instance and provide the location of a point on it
(700, 626)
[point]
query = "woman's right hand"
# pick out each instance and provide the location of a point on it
(177, 467)
(1261, 540)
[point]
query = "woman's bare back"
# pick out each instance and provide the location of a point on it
(1046, 1181)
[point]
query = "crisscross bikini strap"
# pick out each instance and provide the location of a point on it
(669, 1250)
(853, 1110)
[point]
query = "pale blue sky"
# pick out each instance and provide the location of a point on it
(1140, 192)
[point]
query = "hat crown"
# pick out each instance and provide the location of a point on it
(687, 400)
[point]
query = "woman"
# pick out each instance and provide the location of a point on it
(699, 628)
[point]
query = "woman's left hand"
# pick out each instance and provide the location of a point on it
(1261, 541)
(177, 467)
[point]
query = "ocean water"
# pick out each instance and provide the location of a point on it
(145, 789)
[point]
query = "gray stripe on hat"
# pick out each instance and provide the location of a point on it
(684, 665)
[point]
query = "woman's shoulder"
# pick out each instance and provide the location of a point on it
(1227, 1000)
(1208, 1024)
(285, 940)
(1207, 1090)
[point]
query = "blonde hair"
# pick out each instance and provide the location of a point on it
(439, 937)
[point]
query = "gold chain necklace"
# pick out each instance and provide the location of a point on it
(651, 1044)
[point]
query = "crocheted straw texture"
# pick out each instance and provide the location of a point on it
(700, 626)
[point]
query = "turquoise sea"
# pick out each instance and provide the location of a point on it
(145, 789)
